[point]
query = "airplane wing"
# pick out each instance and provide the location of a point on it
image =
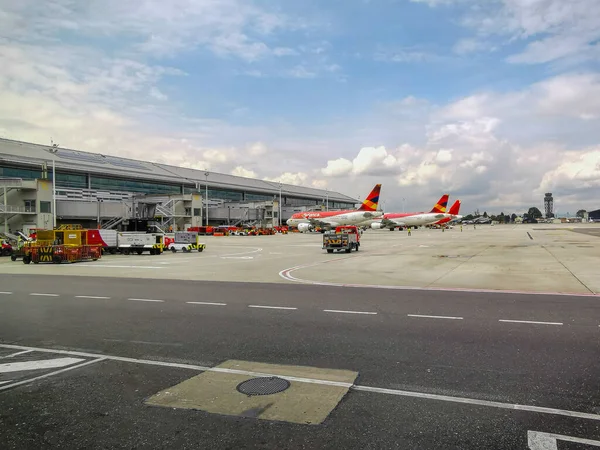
(388, 223)
(322, 223)
(392, 223)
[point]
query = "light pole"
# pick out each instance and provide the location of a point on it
(206, 195)
(327, 199)
(279, 216)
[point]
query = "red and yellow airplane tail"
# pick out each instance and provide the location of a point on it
(440, 206)
(370, 204)
(455, 208)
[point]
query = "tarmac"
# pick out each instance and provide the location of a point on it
(483, 338)
(520, 258)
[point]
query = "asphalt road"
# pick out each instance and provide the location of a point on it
(470, 356)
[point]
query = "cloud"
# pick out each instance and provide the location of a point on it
(369, 161)
(471, 45)
(297, 178)
(338, 167)
(577, 171)
(407, 55)
(239, 171)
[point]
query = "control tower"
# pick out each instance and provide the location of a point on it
(549, 205)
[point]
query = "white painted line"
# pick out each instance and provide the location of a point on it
(435, 317)
(43, 295)
(397, 392)
(66, 369)
(92, 296)
(530, 321)
(4, 382)
(286, 274)
(271, 307)
(18, 353)
(207, 303)
(38, 364)
(538, 440)
(114, 266)
(473, 401)
(5, 293)
(145, 300)
(348, 312)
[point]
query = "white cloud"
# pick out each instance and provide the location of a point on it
(577, 171)
(319, 184)
(471, 45)
(369, 161)
(301, 72)
(240, 171)
(337, 167)
(552, 29)
(297, 178)
(157, 94)
(257, 149)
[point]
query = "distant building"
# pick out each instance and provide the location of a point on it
(594, 215)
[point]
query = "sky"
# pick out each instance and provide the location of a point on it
(493, 101)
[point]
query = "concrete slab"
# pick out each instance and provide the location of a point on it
(215, 392)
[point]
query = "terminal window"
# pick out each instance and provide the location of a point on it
(46, 207)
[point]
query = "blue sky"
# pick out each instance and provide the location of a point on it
(493, 101)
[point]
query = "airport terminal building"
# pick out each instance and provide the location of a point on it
(94, 190)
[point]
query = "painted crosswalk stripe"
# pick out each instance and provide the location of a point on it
(46, 375)
(18, 353)
(38, 364)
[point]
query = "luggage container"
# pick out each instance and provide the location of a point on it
(107, 239)
(129, 242)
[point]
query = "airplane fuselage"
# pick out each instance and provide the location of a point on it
(347, 217)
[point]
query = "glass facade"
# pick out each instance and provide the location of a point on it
(26, 174)
(216, 194)
(116, 184)
(259, 197)
(80, 181)
(70, 180)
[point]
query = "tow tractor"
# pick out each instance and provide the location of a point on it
(345, 238)
(186, 241)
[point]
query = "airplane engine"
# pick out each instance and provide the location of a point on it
(377, 226)
(302, 227)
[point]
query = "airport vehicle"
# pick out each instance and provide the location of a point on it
(186, 241)
(129, 242)
(345, 238)
(7, 249)
(307, 221)
(126, 242)
(58, 254)
(413, 219)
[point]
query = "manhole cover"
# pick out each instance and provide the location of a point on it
(263, 386)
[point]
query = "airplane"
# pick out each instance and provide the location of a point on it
(306, 221)
(452, 215)
(402, 220)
